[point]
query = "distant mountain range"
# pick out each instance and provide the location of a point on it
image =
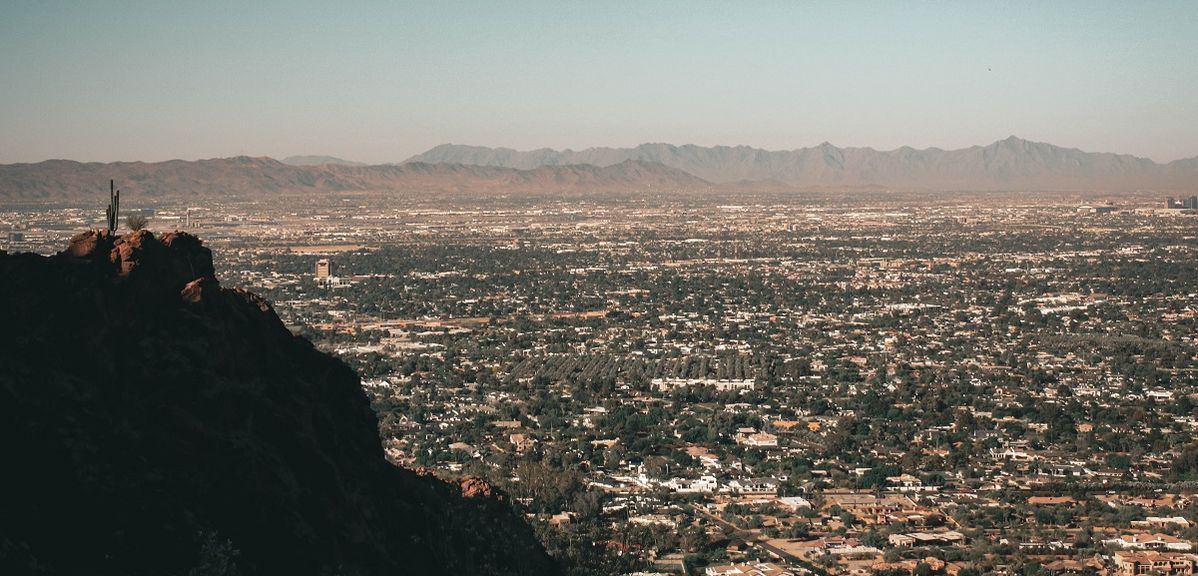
(1010, 164)
(244, 176)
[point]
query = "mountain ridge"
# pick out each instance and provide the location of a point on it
(1011, 163)
(246, 176)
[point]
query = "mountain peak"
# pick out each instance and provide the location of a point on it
(1014, 142)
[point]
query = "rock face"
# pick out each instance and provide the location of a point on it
(153, 422)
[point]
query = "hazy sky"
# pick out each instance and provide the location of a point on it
(378, 82)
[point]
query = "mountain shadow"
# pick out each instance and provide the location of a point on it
(156, 423)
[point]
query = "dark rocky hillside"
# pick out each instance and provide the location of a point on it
(153, 422)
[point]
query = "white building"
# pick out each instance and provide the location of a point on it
(1149, 542)
(754, 569)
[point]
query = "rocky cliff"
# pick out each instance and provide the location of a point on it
(155, 422)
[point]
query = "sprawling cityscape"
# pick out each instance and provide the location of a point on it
(976, 383)
(604, 288)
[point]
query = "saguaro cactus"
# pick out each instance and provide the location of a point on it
(114, 206)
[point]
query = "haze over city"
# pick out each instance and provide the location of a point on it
(380, 82)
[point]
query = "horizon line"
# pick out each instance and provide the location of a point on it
(282, 157)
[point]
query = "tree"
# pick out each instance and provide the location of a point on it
(136, 222)
(1186, 465)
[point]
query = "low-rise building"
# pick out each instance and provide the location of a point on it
(1170, 563)
(753, 569)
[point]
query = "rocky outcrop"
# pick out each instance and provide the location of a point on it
(155, 422)
(468, 486)
(475, 487)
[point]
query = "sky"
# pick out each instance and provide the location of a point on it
(380, 81)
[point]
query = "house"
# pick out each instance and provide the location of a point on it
(793, 503)
(872, 509)
(1041, 545)
(1012, 455)
(1170, 563)
(855, 551)
(736, 549)
(1066, 566)
(1161, 522)
(754, 569)
(905, 483)
(522, 442)
(701, 484)
(467, 448)
(927, 538)
(1149, 542)
(751, 437)
(753, 486)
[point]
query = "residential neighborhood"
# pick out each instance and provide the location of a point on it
(965, 385)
